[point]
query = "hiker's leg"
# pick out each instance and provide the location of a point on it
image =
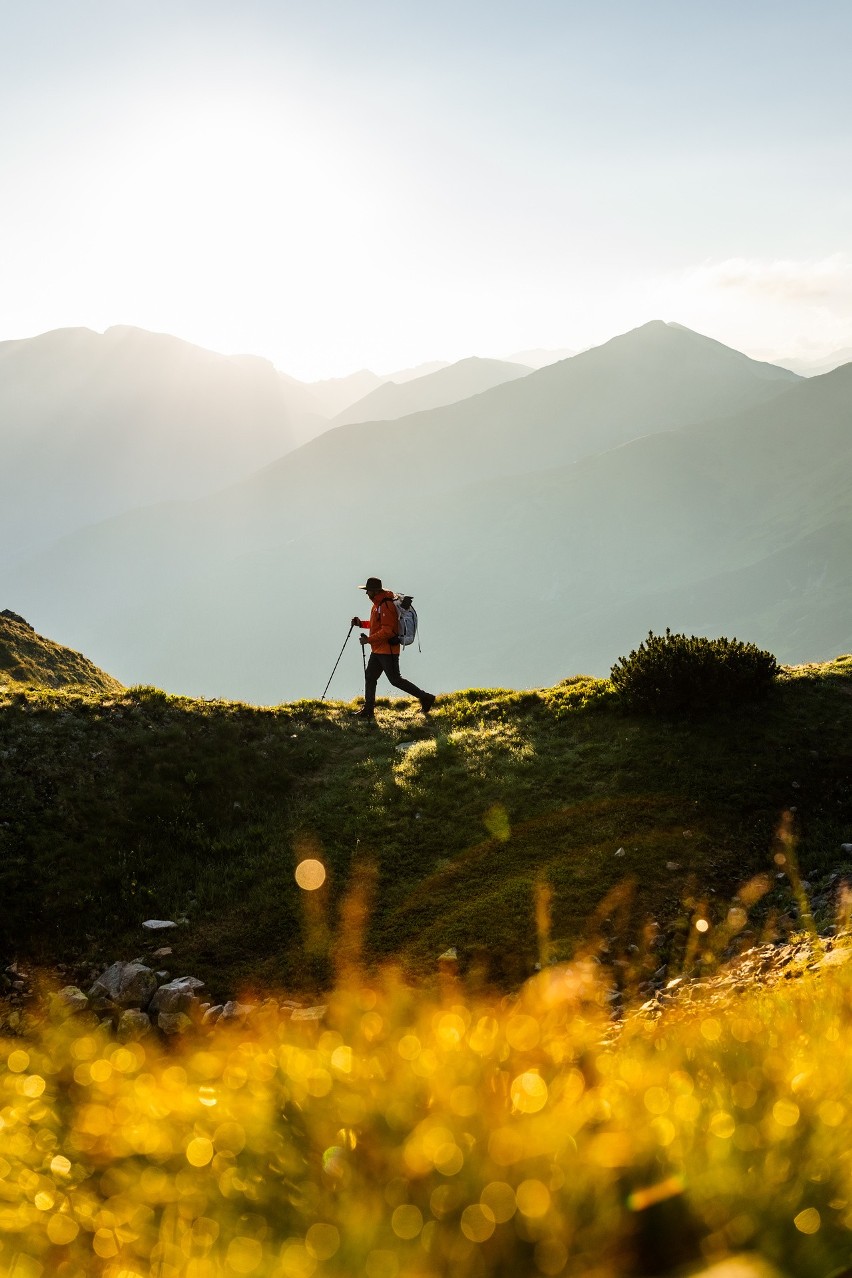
(394, 677)
(371, 678)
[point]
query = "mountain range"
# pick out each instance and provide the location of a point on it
(542, 525)
(446, 385)
(96, 424)
(92, 425)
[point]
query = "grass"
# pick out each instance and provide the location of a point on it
(410, 1136)
(124, 806)
(29, 658)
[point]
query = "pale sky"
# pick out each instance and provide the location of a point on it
(337, 184)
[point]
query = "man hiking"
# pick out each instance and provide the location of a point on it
(384, 657)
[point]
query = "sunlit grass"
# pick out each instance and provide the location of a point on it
(417, 1134)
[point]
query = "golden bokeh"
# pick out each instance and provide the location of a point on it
(408, 1132)
(310, 874)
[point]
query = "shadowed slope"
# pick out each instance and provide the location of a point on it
(119, 809)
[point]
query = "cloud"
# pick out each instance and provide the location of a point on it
(816, 280)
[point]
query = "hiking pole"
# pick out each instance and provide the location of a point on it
(337, 662)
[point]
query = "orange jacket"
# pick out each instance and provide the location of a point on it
(383, 624)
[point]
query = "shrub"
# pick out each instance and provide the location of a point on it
(671, 674)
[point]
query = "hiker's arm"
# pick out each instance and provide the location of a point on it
(356, 621)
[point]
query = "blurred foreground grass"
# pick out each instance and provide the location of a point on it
(415, 1135)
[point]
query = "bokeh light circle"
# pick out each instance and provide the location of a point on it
(310, 874)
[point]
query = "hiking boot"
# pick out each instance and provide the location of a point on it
(427, 701)
(364, 714)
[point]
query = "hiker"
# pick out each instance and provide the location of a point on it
(384, 642)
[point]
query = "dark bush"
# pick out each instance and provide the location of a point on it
(672, 674)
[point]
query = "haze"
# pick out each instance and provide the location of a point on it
(337, 186)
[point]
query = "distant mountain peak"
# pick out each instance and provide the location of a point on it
(448, 385)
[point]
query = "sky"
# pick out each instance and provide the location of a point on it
(336, 185)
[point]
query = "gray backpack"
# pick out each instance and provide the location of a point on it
(406, 621)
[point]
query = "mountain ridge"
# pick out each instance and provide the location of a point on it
(446, 385)
(230, 570)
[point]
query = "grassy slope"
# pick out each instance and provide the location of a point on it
(117, 809)
(29, 658)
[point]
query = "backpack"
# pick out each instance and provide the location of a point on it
(406, 620)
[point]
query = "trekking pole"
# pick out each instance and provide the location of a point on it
(337, 662)
(364, 659)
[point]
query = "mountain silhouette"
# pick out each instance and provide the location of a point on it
(94, 424)
(446, 386)
(605, 481)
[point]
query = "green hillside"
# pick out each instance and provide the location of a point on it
(452, 832)
(27, 658)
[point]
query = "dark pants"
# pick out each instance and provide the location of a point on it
(388, 665)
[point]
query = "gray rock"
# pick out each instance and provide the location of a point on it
(158, 925)
(308, 1013)
(174, 1022)
(125, 985)
(133, 1024)
(173, 1001)
(233, 1011)
(72, 999)
(620, 852)
(212, 1014)
(847, 848)
(177, 996)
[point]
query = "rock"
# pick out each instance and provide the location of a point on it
(449, 956)
(620, 852)
(158, 925)
(72, 999)
(14, 616)
(404, 746)
(125, 985)
(672, 865)
(233, 1011)
(212, 1014)
(177, 996)
(308, 1013)
(164, 952)
(847, 848)
(133, 1024)
(174, 1022)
